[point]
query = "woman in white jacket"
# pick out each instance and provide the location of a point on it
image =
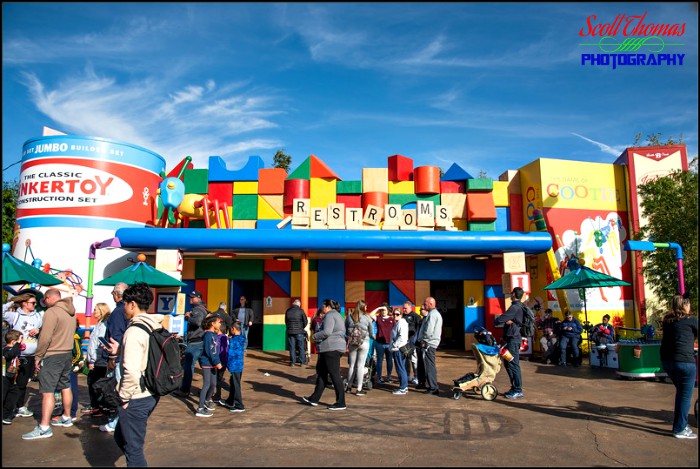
(399, 341)
(96, 363)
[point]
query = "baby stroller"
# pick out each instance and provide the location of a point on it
(488, 363)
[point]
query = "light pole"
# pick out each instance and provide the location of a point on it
(111, 243)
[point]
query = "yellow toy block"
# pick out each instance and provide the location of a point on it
(274, 314)
(188, 269)
(322, 191)
(461, 224)
(217, 291)
(474, 293)
(401, 187)
(296, 284)
(375, 180)
(500, 193)
(276, 202)
(266, 211)
(245, 187)
(457, 204)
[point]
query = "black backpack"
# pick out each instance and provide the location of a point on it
(527, 328)
(164, 370)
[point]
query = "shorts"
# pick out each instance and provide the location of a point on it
(54, 372)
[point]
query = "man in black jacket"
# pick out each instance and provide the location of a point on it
(413, 319)
(194, 347)
(511, 321)
(295, 319)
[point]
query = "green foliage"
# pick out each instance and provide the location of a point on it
(670, 205)
(10, 192)
(654, 140)
(282, 160)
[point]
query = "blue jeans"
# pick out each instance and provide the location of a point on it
(683, 376)
(513, 367)
(130, 433)
(192, 354)
(383, 352)
(564, 342)
(244, 331)
(400, 362)
(297, 340)
(74, 388)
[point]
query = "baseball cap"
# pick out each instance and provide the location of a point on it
(195, 294)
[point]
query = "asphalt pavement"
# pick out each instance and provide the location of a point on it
(570, 417)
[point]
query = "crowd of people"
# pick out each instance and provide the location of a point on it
(42, 346)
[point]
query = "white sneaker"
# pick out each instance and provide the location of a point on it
(203, 412)
(24, 412)
(686, 434)
(106, 428)
(400, 392)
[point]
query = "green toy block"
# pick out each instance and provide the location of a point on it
(303, 171)
(404, 199)
(196, 181)
(479, 185)
(235, 269)
(482, 226)
(274, 337)
(376, 285)
(348, 187)
(245, 207)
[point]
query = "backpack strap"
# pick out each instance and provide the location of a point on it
(143, 327)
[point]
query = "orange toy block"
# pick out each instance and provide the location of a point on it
(480, 206)
(271, 181)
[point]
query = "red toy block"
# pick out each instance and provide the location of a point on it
(201, 286)
(453, 187)
(516, 212)
(271, 265)
(480, 207)
(221, 191)
(271, 288)
(376, 298)
(379, 269)
(407, 287)
(350, 200)
(494, 307)
(494, 272)
(271, 181)
(400, 168)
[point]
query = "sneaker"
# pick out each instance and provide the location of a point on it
(298, 363)
(414, 381)
(7, 421)
(513, 395)
(382, 381)
(106, 428)
(209, 405)
(421, 386)
(222, 403)
(686, 434)
(237, 409)
(360, 393)
(61, 421)
(203, 412)
(401, 392)
(309, 401)
(336, 407)
(24, 412)
(87, 410)
(38, 433)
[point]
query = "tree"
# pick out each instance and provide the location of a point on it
(654, 140)
(670, 205)
(10, 193)
(282, 160)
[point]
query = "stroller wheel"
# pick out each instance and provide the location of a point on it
(489, 392)
(477, 390)
(456, 395)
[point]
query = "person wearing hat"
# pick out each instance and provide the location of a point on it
(569, 334)
(510, 321)
(548, 325)
(195, 346)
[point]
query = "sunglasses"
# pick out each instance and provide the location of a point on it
(397, 314)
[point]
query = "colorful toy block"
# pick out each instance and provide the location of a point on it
(244, 224)
(457, 204)
(249, 172)
(480, 207)
(271, 286)
(480, 185)
(449, 269)
(400, 168)
(427, 180)
(354, 290)
(270, 207)
(272, 265)
(404, 199)
(322, 192)
(370, 269)
(196, 181)
(502, 219)
(401, 187)
(406, 287)
(245, 187)
(271, 181)
(456, 173)
(453, 187)
(245, 207)
(348, 187)
(375, 180)
(516, 212)
(312, 167)
(500, 194)
(482, 226)
(221, 191)
(349, 200)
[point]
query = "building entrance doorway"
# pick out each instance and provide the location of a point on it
(253, 292)
(449, 300)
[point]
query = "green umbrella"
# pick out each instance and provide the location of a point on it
(15, 271)
(142, 272)
(585, 277)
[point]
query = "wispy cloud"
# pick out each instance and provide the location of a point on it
(611, 150)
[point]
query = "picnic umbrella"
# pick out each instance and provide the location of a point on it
(15, 271)
(142, 272)
(584, 277)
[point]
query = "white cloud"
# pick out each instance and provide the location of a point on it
(615, 151)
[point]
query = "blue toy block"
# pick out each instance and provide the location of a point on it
(456, 173)
(396, 297)
(271, 225)
(249, 172)
(331, 280)
(502, 219)
(473, 317)
(283, 279)
(450, 269)
(493, 291)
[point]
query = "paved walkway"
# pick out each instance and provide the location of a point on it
(570, 417)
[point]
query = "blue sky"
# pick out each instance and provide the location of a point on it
(489, 86)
